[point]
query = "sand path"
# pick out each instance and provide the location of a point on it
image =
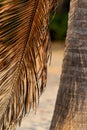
(42, 119)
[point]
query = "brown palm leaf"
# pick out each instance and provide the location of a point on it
(24, 51)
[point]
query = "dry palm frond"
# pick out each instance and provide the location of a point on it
(24, 51)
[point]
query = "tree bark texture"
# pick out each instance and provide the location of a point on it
(71, 105)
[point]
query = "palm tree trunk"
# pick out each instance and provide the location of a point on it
(71, 105)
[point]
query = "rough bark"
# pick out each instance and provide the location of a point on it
(71, 105)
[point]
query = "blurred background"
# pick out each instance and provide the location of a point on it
(58, 22)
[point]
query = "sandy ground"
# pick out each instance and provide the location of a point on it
(42, 119)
